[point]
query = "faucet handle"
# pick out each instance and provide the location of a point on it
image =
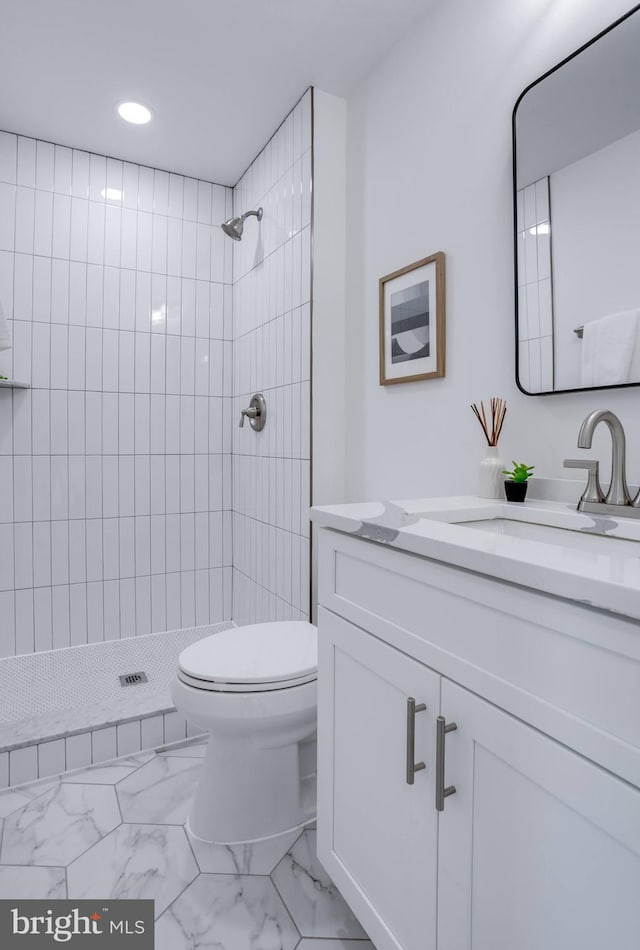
(593, 492)
(250, 413)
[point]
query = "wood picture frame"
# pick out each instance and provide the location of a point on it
(412, 322)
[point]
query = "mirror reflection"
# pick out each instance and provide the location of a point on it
(577, 192)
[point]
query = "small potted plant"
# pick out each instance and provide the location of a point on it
(515, 486)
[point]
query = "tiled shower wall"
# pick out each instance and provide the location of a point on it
(115, 470)
(535, 311)
(272, 355)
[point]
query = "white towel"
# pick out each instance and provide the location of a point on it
(607, 348)
(5, 336)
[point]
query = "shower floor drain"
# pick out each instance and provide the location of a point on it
(132, 679)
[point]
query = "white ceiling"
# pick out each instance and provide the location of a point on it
(220, 75)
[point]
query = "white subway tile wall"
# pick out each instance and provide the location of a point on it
(272, 355)
(535, 314)
(40, 760)
(115, 468)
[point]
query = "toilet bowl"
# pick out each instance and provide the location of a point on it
(253, 689)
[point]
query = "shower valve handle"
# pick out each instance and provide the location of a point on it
(256, 413)
(251, 413)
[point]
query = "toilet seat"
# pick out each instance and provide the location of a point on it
(256, 658)
(220, 687)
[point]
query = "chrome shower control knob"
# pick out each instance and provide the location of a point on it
(256, 413)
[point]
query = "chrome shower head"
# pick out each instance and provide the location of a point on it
(234, 226)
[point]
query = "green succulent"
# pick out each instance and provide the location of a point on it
(520, 472)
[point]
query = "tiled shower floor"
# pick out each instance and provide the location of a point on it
(58, 692)
(118, 830)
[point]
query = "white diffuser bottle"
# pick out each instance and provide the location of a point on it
(490, 478)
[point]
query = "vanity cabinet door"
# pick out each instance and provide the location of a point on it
(539, 848)
(377, 834)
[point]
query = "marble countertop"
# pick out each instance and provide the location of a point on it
(607, 580)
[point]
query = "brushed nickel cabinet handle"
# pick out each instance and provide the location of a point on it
(412, 765)
(442, 728)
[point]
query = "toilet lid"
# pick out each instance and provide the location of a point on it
(283, 653)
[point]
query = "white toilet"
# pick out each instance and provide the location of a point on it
(253, 689)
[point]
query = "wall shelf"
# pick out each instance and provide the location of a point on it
(13, 384)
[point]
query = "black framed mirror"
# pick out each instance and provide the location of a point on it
(576, 180)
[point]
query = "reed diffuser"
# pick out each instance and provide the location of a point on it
(490, 475)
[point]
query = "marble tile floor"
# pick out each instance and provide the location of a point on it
(118, 830)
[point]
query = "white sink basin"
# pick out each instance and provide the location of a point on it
(574, 540)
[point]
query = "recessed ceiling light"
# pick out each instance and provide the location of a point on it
(134, 112)
(112, 194)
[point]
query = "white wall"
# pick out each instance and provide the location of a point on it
(272, 355)
(114, 470)
(429, 168)
(595, 205)
(329, 277)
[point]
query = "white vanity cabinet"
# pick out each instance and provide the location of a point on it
(538, 848)
(379, 834)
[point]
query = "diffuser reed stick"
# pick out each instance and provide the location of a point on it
(492, 426)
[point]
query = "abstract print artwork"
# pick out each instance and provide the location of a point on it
(410, 323)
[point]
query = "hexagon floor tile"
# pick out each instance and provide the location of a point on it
(312, 898)
(232, 905)
(56, 827)
(260, 857)
(193, 750)
(161, 791)
(22, 883)
(224, 911)
(13, 798)
(110, 772)
(135, 861)
(335, 943)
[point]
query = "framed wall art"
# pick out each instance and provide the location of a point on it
(412, 322)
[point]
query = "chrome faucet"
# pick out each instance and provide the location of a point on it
(618, 493)
(617, 500)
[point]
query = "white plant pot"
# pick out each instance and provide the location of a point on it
(490, 478)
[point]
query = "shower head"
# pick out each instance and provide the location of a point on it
(233, 227)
